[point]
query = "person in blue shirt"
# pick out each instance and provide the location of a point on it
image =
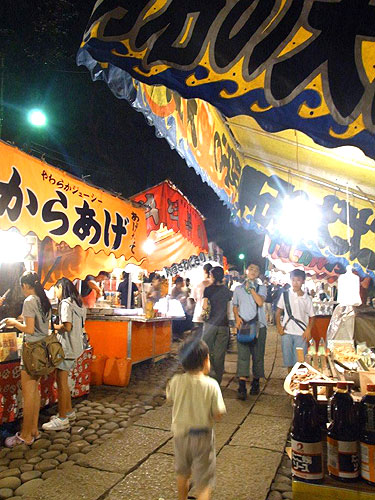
(248, 308)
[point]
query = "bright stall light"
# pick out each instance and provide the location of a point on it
(299, 220)
(241, 256)
(149, 246)
(13, 247)
(37, 118)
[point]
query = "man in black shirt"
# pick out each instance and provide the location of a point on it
(123, 288)
(216, 298)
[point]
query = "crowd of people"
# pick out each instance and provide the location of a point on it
(197, 399)
(215, 306)
(213, 309)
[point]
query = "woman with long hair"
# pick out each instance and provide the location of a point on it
(72, 317)
(36, 313)
(216, 300)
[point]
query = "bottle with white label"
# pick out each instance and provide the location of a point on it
(307, 446)
(367, 435)
(342, 436)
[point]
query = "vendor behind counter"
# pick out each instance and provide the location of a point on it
(90, 291)
(123, 289)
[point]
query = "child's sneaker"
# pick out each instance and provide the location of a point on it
(57, 424)
(242, 390)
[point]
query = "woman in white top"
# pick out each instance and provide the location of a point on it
(36, 313)
(72, 317)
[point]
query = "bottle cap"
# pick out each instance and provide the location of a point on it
(370, 387)
(304, 386)
(342, 385)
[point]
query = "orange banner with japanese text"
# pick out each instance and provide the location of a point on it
(36, 197)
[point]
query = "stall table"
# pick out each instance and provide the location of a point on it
(129, 337)
(10, 386)
(332, 489)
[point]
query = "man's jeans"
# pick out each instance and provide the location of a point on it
(216, 337)
(254, 349)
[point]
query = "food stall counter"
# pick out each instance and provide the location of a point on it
(10, 378)
(134, 337)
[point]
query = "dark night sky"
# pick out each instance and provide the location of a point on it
(90, 132)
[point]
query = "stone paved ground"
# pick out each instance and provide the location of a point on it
(120, 446)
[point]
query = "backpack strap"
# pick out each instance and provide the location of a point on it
(256, 291)
(288, 308)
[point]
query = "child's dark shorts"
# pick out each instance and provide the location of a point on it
(195, 456)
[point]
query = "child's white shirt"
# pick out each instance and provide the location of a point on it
(196, 399)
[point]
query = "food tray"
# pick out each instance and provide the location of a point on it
(312, 374)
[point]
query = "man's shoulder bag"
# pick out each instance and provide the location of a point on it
(43, 356)
(249, 329)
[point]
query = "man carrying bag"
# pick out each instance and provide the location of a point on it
(248, 300)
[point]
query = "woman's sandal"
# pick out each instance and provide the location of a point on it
(12, 441)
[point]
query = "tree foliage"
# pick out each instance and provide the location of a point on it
(39, 32)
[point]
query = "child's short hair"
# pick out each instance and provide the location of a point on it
(193, 353)
(298, 273)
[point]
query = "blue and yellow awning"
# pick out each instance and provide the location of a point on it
(263, 99)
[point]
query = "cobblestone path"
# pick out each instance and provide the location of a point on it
(120, 445)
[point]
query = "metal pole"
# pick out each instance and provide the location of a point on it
(1, 92)
(130, 282)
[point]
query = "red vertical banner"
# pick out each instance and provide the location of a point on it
(166, 205)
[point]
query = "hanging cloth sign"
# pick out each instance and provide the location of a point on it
(166, 205)
(38, 198)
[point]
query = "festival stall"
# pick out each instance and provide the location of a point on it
(175, 233)
(276, 145)
(57, 225)
(273, 106)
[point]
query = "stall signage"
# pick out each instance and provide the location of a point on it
(306, 65)
(193, 262)
(256, 196)
(323, 269)
(35, 197)
(166, 205)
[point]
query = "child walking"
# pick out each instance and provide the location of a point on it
(197, 404)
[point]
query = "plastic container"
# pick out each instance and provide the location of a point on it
(117, 371)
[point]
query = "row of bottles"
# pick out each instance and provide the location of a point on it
(350, 437)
